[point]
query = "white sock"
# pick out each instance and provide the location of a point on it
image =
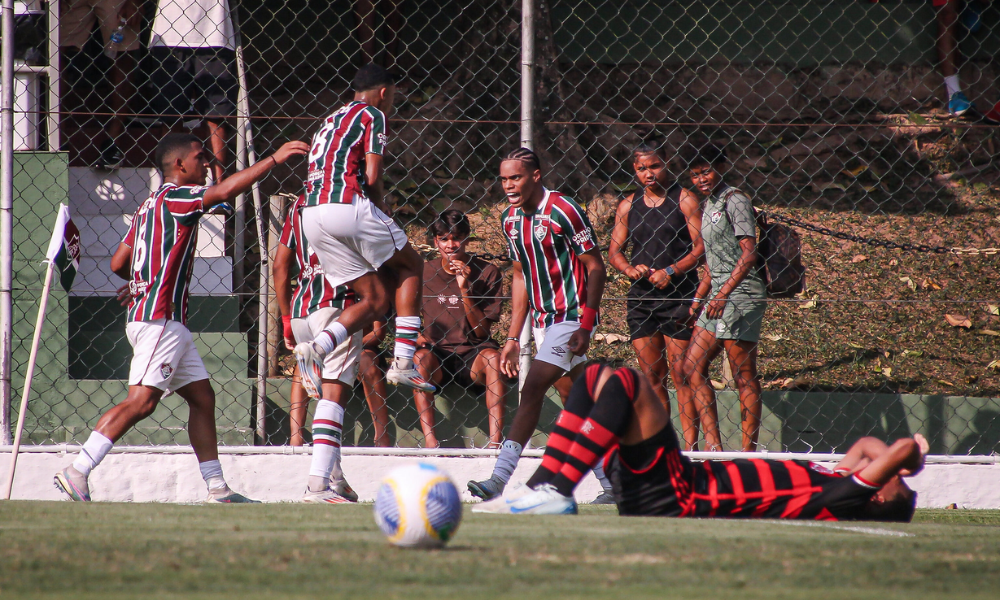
(510, 453)
(211, 472)
(335, 336)
(327, 427)
(599, 474)
(951, 82)
(407, 330)
(92, 453)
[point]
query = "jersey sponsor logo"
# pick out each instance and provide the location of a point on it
(541, 227)
(137, 287)
(581, 238)
(166, 370)
(383, 139)
(716, 216)
(315, 175)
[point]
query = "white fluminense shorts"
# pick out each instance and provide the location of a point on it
(351, 239)
(342, 363)
(552, 342)
(164, 355)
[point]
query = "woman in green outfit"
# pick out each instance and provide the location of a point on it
(730, 300)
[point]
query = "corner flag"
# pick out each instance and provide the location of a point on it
(64, 248)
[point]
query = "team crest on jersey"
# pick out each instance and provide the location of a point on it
(166, 370)
(716, 216)
(541, 227)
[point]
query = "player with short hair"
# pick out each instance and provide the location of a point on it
(559, 273)
(616, 414)
(313, 305)
(346, 221)
(157, 257)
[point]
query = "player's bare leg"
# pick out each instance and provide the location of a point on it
(485, 371)
(372, 374)
(430, 369)
(686, 407)
(742, 358)
(298, 406)
(701, 351)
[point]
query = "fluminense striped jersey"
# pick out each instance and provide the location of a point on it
(163, 238)
(337, 156)
(548, 244)
(314, 291)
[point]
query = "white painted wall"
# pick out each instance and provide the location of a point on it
(134, 477)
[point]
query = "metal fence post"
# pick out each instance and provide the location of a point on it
(527, 141)
(6, 214)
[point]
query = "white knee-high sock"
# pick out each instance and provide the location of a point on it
(211, 472)
(407, 330)
(328, 424)
(92, 453)
(510, 453)
(331, 337)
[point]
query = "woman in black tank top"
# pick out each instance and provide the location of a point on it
(662, 223)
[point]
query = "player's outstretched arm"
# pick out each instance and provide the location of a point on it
(236, 184)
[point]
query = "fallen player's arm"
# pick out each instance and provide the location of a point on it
(904, 457)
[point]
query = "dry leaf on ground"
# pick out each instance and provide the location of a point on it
(993, 309)
(988, 332)
(859, 258)
(995, 365)
(958, 321)
(909, 283)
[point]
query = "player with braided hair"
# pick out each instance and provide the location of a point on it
(559, 273)
(615, 414)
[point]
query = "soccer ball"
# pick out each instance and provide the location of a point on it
(417, 506)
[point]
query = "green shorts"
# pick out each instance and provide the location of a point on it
(741, 320)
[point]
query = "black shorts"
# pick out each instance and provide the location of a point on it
(658, 483)
(457, 367)
(656, 315)
(193, 81)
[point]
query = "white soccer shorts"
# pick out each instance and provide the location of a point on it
(342, 363)
(351, 239)
(552, 344)
(164, 355)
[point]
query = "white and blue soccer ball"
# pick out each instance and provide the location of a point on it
(418, 506)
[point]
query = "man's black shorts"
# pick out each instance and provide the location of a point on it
(656, 482)
(647, 316)
(457, 366)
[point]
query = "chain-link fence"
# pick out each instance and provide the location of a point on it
(840, 119)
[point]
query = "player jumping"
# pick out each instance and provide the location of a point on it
(652, 478)
(304, 314)
(344, 218)
(559, 272)
(157, 258)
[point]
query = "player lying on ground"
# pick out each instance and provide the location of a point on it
(304, 314)
(345, 219)
(157, 258)
(651, 477)
(559, 274)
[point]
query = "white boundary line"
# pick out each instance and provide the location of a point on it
(851, 528)
(940, 459)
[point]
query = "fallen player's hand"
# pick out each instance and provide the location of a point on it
(579, 342)
(290, 149)
(509, 357)
(124, 294)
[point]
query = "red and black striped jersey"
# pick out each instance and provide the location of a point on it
(313, 291)
(548, 243)
(776, 489)
(163, 237)
(337, 155)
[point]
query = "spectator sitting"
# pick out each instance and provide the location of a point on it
(194, 47)
(119, 22)
(735, 294)
(372, 375)
(462, 298)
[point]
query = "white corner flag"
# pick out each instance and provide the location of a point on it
(64, 248)
(63, 254)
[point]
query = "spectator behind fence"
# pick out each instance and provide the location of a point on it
(367, 32)
(735, 295)
(662, 223)
(462, 300)
(372, 376)
(193, 46)
(119, 21)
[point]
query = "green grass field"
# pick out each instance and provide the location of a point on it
(63, 550)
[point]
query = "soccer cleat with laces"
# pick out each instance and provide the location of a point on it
(72, 483)
(544, 501)
(344, 489)
(408, 377)
(487, 489)
(500, 505)
(309, 357)
(958, 104)
(225, 495)
(327, 496)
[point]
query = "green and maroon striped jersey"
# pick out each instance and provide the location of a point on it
(314, 291)
(337, 156)
(548, 243)
(163, 237)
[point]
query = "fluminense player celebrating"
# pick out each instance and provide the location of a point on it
(157, 258)
(345, 220)
(304, 313)
(616, 415)
(559, 273)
